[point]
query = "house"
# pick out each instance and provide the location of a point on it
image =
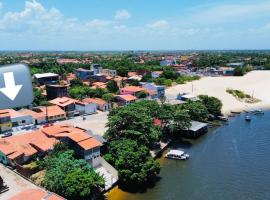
(101, 104)
(46, 78)
(36, 194)
(109, 72)
(96, 85)
(85, 107)
(67, 104)
(236, 64)
(84, 74)
(52, 113)
(54, 91)
(84, 144)
(156, 74)
(17, 118)
(96, 68)
(165, 63)
(5, 122)
(99, 78)
(160, 90)
(38, 117)
(197, 129)
(18, 149)
(132, 90)
(126, 99)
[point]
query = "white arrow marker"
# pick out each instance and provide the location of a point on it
(11, 90)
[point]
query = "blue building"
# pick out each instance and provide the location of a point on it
(83, 74)
(160, 90)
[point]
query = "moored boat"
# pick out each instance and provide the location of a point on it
(177, 155)
(248, 118)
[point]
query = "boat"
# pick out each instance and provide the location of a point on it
(258, 112)
(223, 118)
(248, 118)
(177, 155)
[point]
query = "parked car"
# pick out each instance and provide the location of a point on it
(8, 134)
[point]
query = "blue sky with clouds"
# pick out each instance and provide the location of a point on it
(134, 24)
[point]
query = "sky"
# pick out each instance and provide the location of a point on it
(91, 25)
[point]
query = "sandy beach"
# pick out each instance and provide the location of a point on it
(256, 82)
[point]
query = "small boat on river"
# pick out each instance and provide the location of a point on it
(248, 118)
(257, 112)
(177, 155)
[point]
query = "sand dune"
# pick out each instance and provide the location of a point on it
(256, 82)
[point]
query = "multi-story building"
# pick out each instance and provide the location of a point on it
(55, 91)
(46, 78)
(84, 74)
(160, 90)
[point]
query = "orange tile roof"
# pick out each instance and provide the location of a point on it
(133, 89)
(63, 101)
(4, 114)
(89, 143)
(80, 136)
(52, 111)
(12, 113)
(34, 114)
(97, 101)
(127, 97)
(36, 194)
(132, 74)
(25, 144)
(76, 134)
(99, 85)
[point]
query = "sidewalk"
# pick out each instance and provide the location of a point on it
(15, 183)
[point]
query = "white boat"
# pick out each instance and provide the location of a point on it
(177, 155)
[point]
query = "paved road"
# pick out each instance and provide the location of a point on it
(95, 122)
(15, 183)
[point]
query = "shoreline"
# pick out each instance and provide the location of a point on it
(255, 82)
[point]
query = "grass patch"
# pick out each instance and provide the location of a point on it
(240, 95)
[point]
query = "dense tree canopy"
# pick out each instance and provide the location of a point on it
(212, 104)
(39, 98)
(133, 162)
(69, 177)
(196, 109)
(132, 122)
(112, 86)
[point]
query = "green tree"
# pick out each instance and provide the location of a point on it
(141, 94)
(76, 82)
(69, 177)
(132, 122)
(79, 92)
(196, 109)
(212, 104)
(133, 162)
(112, 86)
(108, 97)
(39, 98)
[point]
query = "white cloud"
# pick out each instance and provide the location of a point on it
(159, 24)
(122, 15)
(229, 13)
(98, 23)
(1, 5)
(38, 27)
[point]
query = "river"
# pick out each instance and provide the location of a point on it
(229, 163)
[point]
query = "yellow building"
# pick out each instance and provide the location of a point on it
(184, 58)
(5, 122)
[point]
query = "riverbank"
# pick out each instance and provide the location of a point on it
(254, 83)
(230, 162)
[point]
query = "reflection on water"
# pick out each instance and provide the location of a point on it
(231, 162)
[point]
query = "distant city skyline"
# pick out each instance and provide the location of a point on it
(97, 25)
